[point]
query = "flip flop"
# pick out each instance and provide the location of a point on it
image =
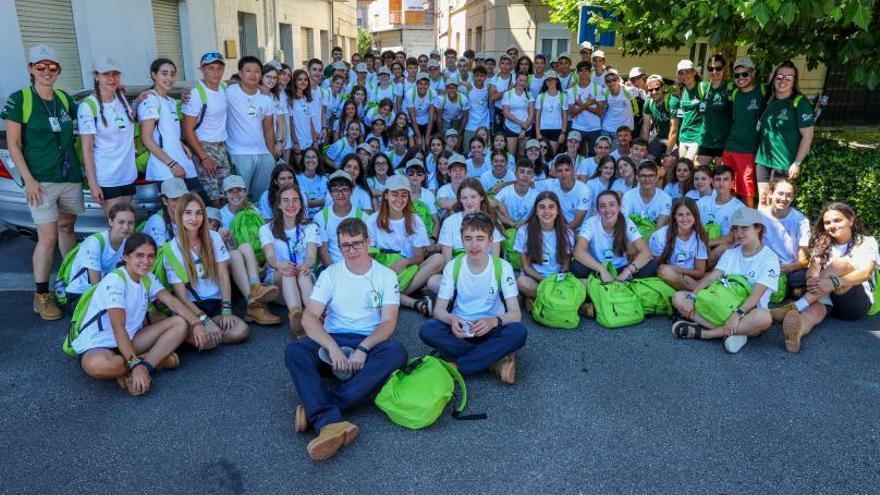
(685, 329)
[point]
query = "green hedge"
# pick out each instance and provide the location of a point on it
(836, 170)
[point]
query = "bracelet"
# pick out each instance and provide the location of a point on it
(146, 364)
(835, 282)
(363, 349)
(172, 164)
(134, 363)
(691, 297)
(225, 311)
(225, 304)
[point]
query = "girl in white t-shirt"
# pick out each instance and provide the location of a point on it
(498, 176)
(602, 179)
(312, 181)
(447, 195)
(290, 244)
(545, 244)
(419, 194)
(128, 351)
(533, 155)
(681, 248)
(269, 82)
(106, 125)
(435, 149)
(160, 129)
(361, 197)
(303, 132)
(203, 283)
(551, 113)
(282, 176)
(519, 113)
(626, 175)
(441, 175)
(347, 114)
(499, 143)
(680, 180)
(703, 182)
(749, 258)
(587, 168)
(377, 177)
(840, 278)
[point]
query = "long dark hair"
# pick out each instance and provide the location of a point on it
(156, 65)
(474, 184)
(361, 180)
(273, 182)
(291, 88)
(371, 167)
(821, 241)
(619, 246)
(438, 177)
(672, 175)
(672, 229)
(278, 216)
(275, 89)
(535, 241)
(788, 64)
(344, 121)
(599, 166)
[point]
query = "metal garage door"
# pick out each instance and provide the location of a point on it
(51, 22)
(166, 24)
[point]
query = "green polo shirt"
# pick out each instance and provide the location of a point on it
(716, 117)
(45, 150)
(780, 133)
(688, 110)
(662, 114)
(746, 110)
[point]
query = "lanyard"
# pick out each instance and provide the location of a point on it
(291, 251)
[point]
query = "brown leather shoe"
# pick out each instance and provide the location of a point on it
(587, 310)
(778, 313)
(331, 439)
(259, 314)
(791, 328)
(170, 362)
(44, 305)
(300, 420)
(505, 369)
(296, 327)
(262, 294)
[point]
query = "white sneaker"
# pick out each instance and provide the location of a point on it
(734, 343)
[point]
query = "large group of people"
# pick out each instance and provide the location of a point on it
(452, 186)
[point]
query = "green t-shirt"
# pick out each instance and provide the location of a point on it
(687, 109)
(716, 116)
(780, 131)
(747, 108)
(45, 151)
(662, 114)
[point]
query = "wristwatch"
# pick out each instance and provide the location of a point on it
(363, 349)
(133, 363)
(739, 312)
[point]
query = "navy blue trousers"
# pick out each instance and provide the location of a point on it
(476, 354)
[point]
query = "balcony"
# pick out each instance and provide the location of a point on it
(411, 18)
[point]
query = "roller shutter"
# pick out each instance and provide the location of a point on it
(166, 24)
(51, 22)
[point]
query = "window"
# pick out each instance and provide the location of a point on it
(325, 45)
(247, 34)
(553, 39)
(698, 56)
(469, 43)
(478, 43)
(587, 32)
(285, 32)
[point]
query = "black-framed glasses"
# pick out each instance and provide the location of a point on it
(647, 176)
(715, 68)
(340, 190)
(741, 75)
(348, 246)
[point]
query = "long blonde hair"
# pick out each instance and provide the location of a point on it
(184, 240)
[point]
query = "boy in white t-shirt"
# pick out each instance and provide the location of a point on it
(477, 317)
(648, 201)
(718, 209)
(515, 202)
(340, 187)
(361, 300)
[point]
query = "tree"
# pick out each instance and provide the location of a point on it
(365, 41)
(830, 32)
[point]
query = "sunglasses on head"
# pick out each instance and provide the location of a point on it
(480, 216)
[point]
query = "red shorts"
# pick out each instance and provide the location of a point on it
(743, 165)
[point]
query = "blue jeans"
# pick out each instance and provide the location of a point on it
(476, 354)
(256, 170)
(325, 406)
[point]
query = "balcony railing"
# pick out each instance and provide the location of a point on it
(411, 17)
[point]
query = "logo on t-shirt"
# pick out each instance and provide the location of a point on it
(783, 114)
(752, 274)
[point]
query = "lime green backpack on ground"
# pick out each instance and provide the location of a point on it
(615, 304)
(716, 302)
(559, 298)
(421, 210)
(65, 277)
(416, 395)
(245, 229)
(654, 294)
(781, 290)
(388, 257)
(507, 251)
(645, 225)
(875, 286)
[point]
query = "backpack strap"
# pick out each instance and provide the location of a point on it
(97, 316)
(462, 402)
(203, 96)
(93, 106)
(180, 271)
(27, 104)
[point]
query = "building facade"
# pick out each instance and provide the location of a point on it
(406, 25)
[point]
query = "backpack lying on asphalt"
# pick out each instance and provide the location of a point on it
(559, 297)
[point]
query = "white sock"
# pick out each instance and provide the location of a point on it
(801, 304)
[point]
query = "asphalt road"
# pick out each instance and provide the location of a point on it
(593, 411)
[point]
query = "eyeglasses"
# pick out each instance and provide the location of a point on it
(715, 68)
(479, 216)
(348, 246)
(340, 190)
(414, 173)
(784, 77)
(52, 68)
(543, 146)
(741, 75)
(647, 176)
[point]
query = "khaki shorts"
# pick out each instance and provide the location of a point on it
(59, 197)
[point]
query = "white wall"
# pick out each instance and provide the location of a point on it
(198, 34)
(12, 56)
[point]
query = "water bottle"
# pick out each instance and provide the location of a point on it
(60, 292)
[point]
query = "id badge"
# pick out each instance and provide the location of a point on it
(681, 258)
(120, 122)
(374, 299)
(55, 124)
(251, 111)
(702, 107)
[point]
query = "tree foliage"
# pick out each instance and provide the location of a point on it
(832, 32)
(364, 41)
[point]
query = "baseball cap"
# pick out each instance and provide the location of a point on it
(38, 53)
(745, 217)
(480, 56)
(457, 159)
(684, 64)
(532, 143)
(234, 181)
(575, 135)
(586, 45)
(603, 138)
(433, 64)
(274, 64)
(415, 162)
(105, 63)
(563, 56)
(451, 82)
(340, 174)
(451, 132)
(213, 213)
(173, 188)
(384, 70)
(609, 73)
(397, 183)
(435, 53)
(361, 67)
(636, 72)
(744, 62)
(338, 65)
(598, 54)
(511, 47)
(211, 57)
(422, 75)
(551, 74)
(462, 60)
(366, 147)
(503, 56)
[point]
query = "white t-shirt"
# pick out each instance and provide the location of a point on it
(597, 187)
(294, 249)
(354, 302)
(420, 104)
(314, 187)
(660, 204)
(551, 108)
(488, 179)
(618, 110)
(359, 198)
(206, 289)
(684, 254)
(115, 293)
(474, 170)
(710, 211)
(586, 121)
(155, 228)
(548, 265)
(601, 243)
(566, 82)
(244, 121)
(398, 239)
(578, 198)
(535, 83)
(478, 294)
(585, 166)
(452, 110)
(301, 121)
(859, 258)
(672, 190)
(620, 186)
(166, 133)
(427, 197)
(762, 268)
(114, 143)
(91, 257)
(450, 232)
(786, 236)
(213, 126)
(377, 93)
(502, 84)
(328, 228)
(478, 115)
(518, 207)
(518, 106)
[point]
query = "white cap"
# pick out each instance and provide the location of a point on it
(173, 188)
(636, 72)
(586, 45)
(384, 70)
(213, 213)
(745, 217)
(575, 136)
(38, 53)
(598, 54)
(480, 56)
(684, 64)
(744, 62)
(366, 147)
(451, 132)
(532, 143)
(433, 64)
(456, 158)
(397, 183)
(234, 181)
(422, 75)
(361, 67)
(340, 65)
(511, 47)
(415, 162)
(105, 63)
(551, 74)
(340, 174)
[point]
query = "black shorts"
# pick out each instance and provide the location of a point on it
(704, 151)
(114, 350)
(797, 279)
(423, 129)
(211, 307)
(119, 191)
(508, 133)
(766, 174)
(657, 147)
(551, 134)
(851, 305)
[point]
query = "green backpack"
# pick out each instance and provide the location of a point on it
(416, 395)
(421, 210)
(713, 231)
(654, 294)
(781, 290)
(507, 251)
(245, 229)
(560, 296)
(388, 257)
(82, 306)
(716, 302)
(645, 225)
(616, 305)
(167, 252)
(65, 277)
(875, 286)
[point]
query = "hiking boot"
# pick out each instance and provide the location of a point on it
(259, 314)
(300, 419)
(587, 310)
(44, 305)
(331, 439)
(778, 313)
(296, 327)
(735, 342)
(170, 362)
(791, 328)
(262, 294)
(505, 369)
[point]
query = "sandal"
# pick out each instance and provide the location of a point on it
(685, 329)
(424, 306)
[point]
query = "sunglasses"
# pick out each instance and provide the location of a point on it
(414, 173)
(52, 68)
(654, 90)
(715, 68)
(741, 75)
(543, 146)
(480, 216)
(784, 77)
